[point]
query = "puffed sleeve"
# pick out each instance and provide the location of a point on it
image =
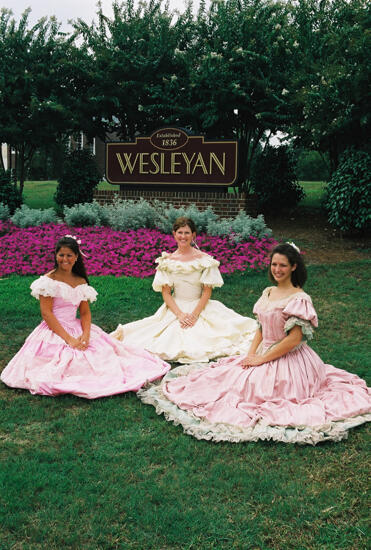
(210, 275)
(43, 286)
(162, 275)
(300, 311)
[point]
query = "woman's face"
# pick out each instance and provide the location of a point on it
(281, 268)
(66, 258)
(184, 236)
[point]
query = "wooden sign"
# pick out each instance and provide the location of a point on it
(171, 156)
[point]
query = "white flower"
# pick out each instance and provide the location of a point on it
(278, 27)
(173, 77)
(285, 92)
(296, 44)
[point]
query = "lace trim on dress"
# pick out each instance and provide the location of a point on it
(306, 327)
(45, 286)
(201, 428)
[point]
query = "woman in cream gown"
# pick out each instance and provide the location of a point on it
(189, 326)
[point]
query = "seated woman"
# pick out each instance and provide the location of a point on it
(189, 326)
(69, 355)
(281, 389)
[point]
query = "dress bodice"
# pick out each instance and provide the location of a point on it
(277, 317)
(66, 299)
(187, 278)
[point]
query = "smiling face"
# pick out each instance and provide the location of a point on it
(65, 258)
(184, 236)
(281, 269)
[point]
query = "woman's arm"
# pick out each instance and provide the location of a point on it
(46, 308)
(170, 302)
(256, 341)
(85, 318)
(186, 320)
(205, 297)
(288, 343)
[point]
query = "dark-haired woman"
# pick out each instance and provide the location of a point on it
(281, 390)
(189, 326)
(69, 355)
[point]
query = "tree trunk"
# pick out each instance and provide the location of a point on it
(22, 169)
(2, 165)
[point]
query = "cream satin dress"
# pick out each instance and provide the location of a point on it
(219, 331)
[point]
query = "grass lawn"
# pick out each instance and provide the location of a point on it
(111, 474)
(39, 194)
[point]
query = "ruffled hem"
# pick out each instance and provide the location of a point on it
(45, 286)
(200, 428)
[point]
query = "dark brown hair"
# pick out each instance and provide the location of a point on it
(299, 275)
(78, 268)
(182, 222)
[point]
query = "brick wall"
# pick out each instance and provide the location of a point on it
(226, 205)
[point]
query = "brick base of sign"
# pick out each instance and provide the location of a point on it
(225, 205)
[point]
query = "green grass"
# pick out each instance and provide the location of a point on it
(314, 193)
(39, 194)
(111, 474)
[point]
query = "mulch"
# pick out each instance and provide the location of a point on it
(321, 243)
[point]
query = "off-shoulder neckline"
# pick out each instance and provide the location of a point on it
(63, 283)
(301, 291)
(203, 255)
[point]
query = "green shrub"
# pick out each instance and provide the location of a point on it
(86, 214)
(274, 180)
(348, 193)
(128, 214)
(167, 216)
(28, 217)
(78, 179)
(9, 194)
(241, 228)
(4, 212)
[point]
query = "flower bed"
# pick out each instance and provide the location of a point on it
(109, 252)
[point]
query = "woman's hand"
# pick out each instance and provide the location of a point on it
(252, 360)
(187, 320)
(73, 342)
(83, 341)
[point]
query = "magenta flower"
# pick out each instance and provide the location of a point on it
(109, 252)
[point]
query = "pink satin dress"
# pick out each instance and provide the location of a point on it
(296, 398)
(46, 365)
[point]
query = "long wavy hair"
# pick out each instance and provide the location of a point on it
(78, 267)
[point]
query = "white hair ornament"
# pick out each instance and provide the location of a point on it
(293, 246)
(78, 242)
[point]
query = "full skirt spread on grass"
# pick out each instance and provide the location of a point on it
(296, 398)
(219, 330)
(46, 365)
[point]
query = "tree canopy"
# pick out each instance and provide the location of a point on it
(240, 68)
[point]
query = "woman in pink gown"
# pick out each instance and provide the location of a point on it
(281, 390)
(69, 355)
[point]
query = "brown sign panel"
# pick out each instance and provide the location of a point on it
(170, 156)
